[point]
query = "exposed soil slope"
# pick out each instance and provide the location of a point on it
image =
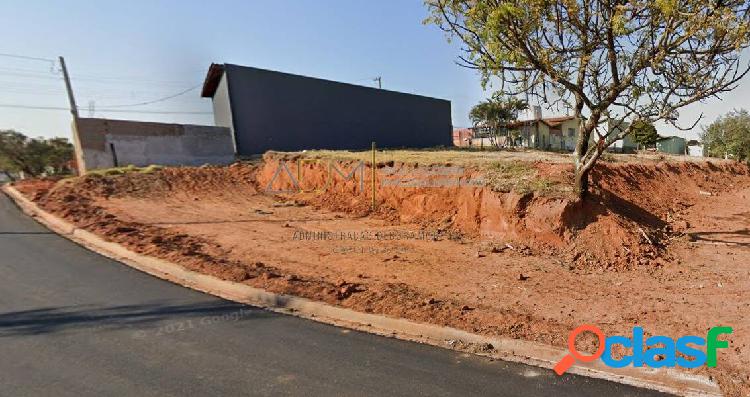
(625, 223)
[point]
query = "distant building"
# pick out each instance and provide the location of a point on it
(462, 136)
(563, 132)
(624, 145)
(694, 148)
(533, 131)
(695, 151)
(671, 145)
(268, 110)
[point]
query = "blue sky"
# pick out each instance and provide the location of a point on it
(127, 52)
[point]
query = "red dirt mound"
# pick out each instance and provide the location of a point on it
(625, 223)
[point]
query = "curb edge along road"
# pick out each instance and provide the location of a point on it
(664, 379)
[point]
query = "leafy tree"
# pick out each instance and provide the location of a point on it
(607, 60)
(495, 113)
(644, 133)
(728, 136)
(12, 151)
(6, 167)
(56, 154)
(33, 156)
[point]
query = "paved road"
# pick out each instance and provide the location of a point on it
(75, 323)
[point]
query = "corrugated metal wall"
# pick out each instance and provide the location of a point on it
(672, 145)
(279, 111)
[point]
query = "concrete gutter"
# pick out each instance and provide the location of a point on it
(666, 380)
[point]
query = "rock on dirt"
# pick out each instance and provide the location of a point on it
(346, 291)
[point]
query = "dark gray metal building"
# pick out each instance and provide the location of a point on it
(269, 110)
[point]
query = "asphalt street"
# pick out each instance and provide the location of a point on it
(75, 323)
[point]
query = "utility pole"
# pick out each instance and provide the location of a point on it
(69, 88)
(379, 79)
(80, 162)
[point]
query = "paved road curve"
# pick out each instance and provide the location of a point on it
(75, 323)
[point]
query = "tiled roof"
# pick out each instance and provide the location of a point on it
(519, 123)
(550, 121)
(555, 121)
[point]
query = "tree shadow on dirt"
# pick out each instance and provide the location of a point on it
(742, 217)
(136, 317)
(603, 202)
(629, 210)
(725, 237)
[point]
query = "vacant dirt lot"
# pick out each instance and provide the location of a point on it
(662, 245)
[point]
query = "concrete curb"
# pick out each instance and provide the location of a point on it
(664, 379)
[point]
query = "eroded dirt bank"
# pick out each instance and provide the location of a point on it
(669, 254)
(627, 222)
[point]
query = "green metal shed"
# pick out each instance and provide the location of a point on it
(671, 145)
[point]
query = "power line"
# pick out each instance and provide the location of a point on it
(183, 92)
(29, 92)
(27, 57)
(84, 77)
(28, 89)
(99, 77)
(29, 75)
(33, 107)
(29, 71)
(150, 111)
(126, 80)
(7, 105)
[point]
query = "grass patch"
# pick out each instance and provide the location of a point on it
(503, 171)
(435, 156)
(519, 177)
(125, 170)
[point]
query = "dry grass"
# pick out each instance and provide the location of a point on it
(476, 157)
(503, 170)
(522, 177)
(453, 156)
(124, 170)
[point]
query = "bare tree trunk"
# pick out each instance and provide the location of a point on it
(582, 183)
(582, 164)
(582, 170)
(581, 174)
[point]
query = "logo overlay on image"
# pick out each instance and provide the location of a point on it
(655, 351)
